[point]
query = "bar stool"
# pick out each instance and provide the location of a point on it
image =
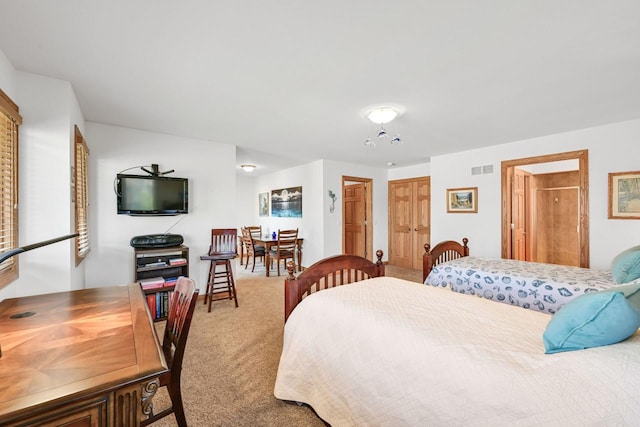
(223, 249)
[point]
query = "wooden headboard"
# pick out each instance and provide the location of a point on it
(443, 251)
(327, 273)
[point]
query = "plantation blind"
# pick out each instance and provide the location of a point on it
(81, 197)
(9, 121)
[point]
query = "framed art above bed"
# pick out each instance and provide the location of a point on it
(624, 195)
(462, 200)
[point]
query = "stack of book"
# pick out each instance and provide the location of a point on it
(152, 282)
(170, 281)
(178, 261)
(159, 304)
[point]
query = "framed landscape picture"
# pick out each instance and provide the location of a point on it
(624, 195)
(287, 202)
(263, 204)
(462, 200)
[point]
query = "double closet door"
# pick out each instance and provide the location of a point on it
(409, 221)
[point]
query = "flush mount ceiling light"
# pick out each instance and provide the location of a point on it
(247, 167)
(382, 115)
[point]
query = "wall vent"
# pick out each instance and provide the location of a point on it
(480, 170)
(487, 169)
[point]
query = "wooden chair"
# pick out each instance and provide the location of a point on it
(255, 230)
(286, 248)
(220, 284)
(443, 251)
(254, 251)
(181, 308)
(256, 233)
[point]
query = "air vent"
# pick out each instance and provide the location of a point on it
(480, 170)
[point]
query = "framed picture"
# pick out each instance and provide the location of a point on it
(287, 202)
(462, 200)
(624, 195)
(263, 204)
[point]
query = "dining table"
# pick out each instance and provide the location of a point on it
(268, 242)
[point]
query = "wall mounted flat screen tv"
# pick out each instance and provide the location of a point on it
(152, 195)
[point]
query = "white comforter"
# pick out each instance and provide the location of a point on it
(388, 352)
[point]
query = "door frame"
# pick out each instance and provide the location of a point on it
(583, 172)
(368, 225)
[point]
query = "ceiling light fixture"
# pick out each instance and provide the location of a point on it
(381, 116)
(247, 167)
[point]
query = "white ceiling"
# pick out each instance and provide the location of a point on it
(287, 81)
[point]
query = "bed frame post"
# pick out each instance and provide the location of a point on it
(379, 263)
(428, 260)
(291, 291)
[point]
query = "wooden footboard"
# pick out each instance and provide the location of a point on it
(443, 251)
(329, 272)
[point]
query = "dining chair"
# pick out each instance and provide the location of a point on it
(286, 247)
(256, 232)
(223, 249)
(254, 251)
(181, 307)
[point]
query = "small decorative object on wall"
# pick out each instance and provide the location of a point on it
(333, 198)
(287, 202)
(462, 200)
(624, 195)
(263, 203)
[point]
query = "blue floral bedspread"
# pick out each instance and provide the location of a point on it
(532, 285)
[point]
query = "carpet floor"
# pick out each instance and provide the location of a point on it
(232, 356)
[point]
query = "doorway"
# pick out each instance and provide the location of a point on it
(357, 216)
(546, 222)
(409, 221)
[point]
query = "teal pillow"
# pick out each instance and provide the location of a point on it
(631, 292)
(625, 267)
(594, 319)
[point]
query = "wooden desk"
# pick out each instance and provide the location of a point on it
(85, 358)
(268, 243)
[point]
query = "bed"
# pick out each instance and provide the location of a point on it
(531, 285)
(383, 351)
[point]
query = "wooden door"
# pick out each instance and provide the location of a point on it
(422, 220)
(557, 226)
(409, 221)
(355, 241)
(519, 214)
(400, 224)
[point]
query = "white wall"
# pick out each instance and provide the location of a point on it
(210, 168)
(414, 171)
(310, 228)
(333, 173)
(612, 148)
(49, 111)
(321, 229)
(7, 77)
(246, 201)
